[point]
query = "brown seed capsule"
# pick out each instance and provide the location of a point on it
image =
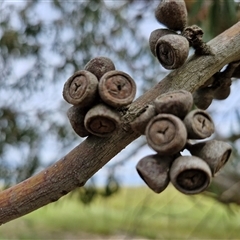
(199, 124)
(101, 120)
(81, 88)
(190, 174)
(117, 88)
(140, 123)
(155, 35)
(236, 73)
(166, 134)
(172, 51)
(208, 83)
(76, 117)
(99, 66)
(215, 153)
(154, 170)
(223, 91)
(231, 70)
(203, 97)
(172, 13)
(222, 81)
(178, 103)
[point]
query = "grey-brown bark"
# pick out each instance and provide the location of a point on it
(86, 159)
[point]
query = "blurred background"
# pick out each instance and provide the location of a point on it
(42, 44)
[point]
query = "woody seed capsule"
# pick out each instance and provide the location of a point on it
(155, 35)
(154, 170)
(172, 51)
(224, 90)
(81, 88)
(190, 174)
(203, 97)
(172, 13)
(166, 134)
(139, 124)
(214, 152)
(178, 103)
(117, 88)
(76, 117)
(99, 66)
(101, 120)
(199, 124)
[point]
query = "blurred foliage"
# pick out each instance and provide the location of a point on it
(89, 192)
(15, 135)
(214, 16)
(43, 43)
(134, 213)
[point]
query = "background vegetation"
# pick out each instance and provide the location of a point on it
(134, 213)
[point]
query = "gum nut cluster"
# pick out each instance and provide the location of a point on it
(170, 48)
(216, 87)
(170, 125)
(96, 93)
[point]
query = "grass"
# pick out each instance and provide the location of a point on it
(132, 212)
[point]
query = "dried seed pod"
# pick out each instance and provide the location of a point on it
(117, 88)
(155, 35)
(215, 153)
(172, 51)
(236, 73)
(76, 117)
(231, 69)
(222, 81)
(190, 174)
(223, 91)
(101, 120)
(139, 124)
(154, 170)
(203, 97)
(172, 13)
(178, 103)
(199, 124)
(81, 88)
(99, 66)
(208, 83)
(166, 134)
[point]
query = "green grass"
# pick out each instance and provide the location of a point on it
(133, 211)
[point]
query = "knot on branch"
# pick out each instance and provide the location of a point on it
(194, 35)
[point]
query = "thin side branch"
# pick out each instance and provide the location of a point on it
(86, 159)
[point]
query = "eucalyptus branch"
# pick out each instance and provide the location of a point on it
(74, 169)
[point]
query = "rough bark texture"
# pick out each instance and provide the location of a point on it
(86, 159)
